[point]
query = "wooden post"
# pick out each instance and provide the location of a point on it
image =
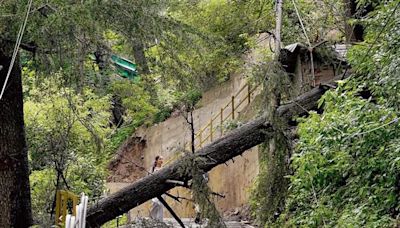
(249, 92)
(211, 129)
(222, 121)
(74, 202)
(64, 202)
(233, 107)
(312, 67)
(278, 28)
(58, 207)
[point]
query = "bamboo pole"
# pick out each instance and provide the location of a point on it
(222, 121)
(211, 130)
(249, 93)
(278, 28)
(233, 107)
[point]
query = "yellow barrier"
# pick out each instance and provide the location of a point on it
(65, 200)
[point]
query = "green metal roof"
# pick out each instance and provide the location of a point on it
(125, 67)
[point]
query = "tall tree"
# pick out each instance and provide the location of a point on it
(60, 35)
(217, 152)
(14, 173)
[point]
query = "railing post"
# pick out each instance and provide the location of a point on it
(64, 200)
(211, 129)
(58, 207)
(200, 139)
(74, 202)
(233, 107)
(249, 92)
(222, 121)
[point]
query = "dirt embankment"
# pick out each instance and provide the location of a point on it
(128, 166)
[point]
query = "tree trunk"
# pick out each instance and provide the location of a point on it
(151, 186)
(278, 28)
(117, 110)
(354, 32)
(140, 58)
(15, 201)
(215, 153)
(101, 58)
(143, 68)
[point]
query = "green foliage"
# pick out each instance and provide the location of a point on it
(190, 46)
(66, 132)
(190, 98)
(62, 115)
(202, 194)
(136, 100)
(120, 220)
(346, 166)
(270, 189)
(346, 169)
(119, 136)
(170, 100)
(322, 20)
(42, 189)
(379, 67)
(214, 35)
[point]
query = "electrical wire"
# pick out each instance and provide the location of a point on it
(301, 23)
(16, 48)
(310, 48)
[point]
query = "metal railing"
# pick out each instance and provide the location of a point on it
(215, 125)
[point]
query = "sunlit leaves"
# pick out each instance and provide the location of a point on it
(347, 161)
(66, 132)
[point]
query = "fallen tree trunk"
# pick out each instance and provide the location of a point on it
(215, 153)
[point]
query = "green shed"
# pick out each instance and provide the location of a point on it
(125, 68)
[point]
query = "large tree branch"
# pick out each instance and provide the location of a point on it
(30, 47)
(215, 153)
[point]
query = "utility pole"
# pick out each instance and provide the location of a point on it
(278, 28)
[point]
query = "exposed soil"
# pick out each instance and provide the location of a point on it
(127, 165)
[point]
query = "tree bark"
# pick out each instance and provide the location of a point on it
(278, 28)
(15, 200)
(354, 33)
(117, 110)
(215, 153)
(140, 57)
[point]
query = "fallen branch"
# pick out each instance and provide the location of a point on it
(172, 212)
(215, 153)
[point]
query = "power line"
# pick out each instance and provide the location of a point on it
(16, 48)
(310, 48)
(301, 23)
